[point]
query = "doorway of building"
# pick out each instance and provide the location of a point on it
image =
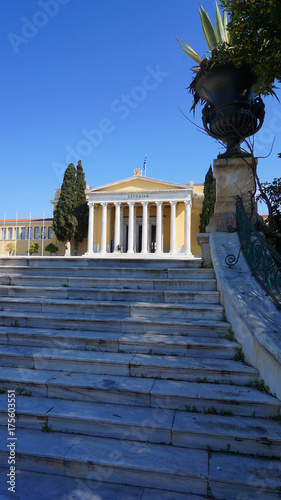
(139, 241)
(153, 239)
(125, 239)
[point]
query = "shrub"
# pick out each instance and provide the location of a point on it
(52, 248)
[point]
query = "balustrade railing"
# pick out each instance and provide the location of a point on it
(263, 260)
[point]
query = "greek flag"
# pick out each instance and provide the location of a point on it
(144, 164)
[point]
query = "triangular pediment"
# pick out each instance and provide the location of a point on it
(138, 183)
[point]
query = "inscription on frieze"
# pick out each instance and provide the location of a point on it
(137, 196)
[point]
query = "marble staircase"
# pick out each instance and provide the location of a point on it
(128, 377)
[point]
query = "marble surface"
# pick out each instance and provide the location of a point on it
(240, 400)
(38, 486)
(257, 310)
(245, 475)
(256, 320)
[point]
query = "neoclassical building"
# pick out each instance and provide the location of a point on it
(133, 216)
(141, 215)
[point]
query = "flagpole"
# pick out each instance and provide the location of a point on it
(3, 233)
(29, 226)
(16, 234)
(144, 165)
(42, 241)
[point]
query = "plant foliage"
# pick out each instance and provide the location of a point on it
(250, 38)
(214, 38)
(273, 192)
(81, 211)
(254, 27)
(52, 248)
(209, 200)
(10, 248)
(65, 222)
(71, 213)
(33, 248)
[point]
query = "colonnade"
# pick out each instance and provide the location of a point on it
(145, 224)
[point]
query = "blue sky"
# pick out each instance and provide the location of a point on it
(104, 82)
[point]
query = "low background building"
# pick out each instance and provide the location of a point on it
(21, 232)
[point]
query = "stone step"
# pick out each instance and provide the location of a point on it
(181, 345)
(114, 272)
(30, 485)
(145, 465)
(125, 364)
(117, 461)
(92, 419)
(244, 477)
(211, 347)
(201, 297)
(243, 435)
(179, 311)
(192, 284)
(116, 309)
(109, 262)
(146, 392)
(195, 327)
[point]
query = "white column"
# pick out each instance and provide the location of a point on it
(144, 226)
(173, 227)
(90, 229)
(187, 227)
(131, 227)
(159, 227)
(135, 229)
(103, 227)
(117, 239)
(122, 227)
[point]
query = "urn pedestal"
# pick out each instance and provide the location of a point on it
(234, 177)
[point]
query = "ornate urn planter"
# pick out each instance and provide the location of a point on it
(232, 111)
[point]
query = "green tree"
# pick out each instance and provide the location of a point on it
(273, 231)
(209, 200)
(81, 211)
(52, 248)
(65, 221)
(33, 248)
(254, 28)
(10, 247)
(273, 192)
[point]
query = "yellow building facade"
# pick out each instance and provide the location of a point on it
(136, 215)
(141, 215)
(17, 235)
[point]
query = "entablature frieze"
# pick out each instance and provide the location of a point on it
(149, 196)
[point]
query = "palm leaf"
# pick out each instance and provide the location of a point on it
(190, 52)
(193, 51)
(208, 29)
(224, 22)
(221, 34)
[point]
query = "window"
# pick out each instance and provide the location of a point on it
(3, 233)
(22, 233)
(17, 233)
(50, 233)
(10, 233)
(36, 233)
(29, 234)
(43, 233)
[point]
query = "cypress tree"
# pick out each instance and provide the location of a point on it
(65, 222)
(208, 206)
(81, 211)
